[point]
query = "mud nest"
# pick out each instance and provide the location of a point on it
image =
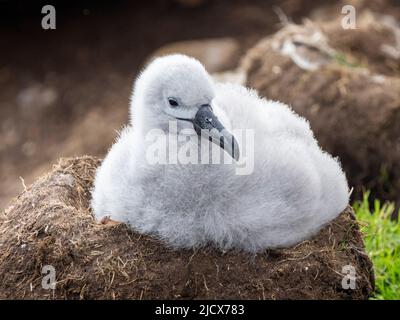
(353, 110)
(51, 223)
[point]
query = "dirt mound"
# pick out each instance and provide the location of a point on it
(50, 223)
(216, 55)
(375, 43)
(354, 112)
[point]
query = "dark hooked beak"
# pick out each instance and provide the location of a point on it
(206, 122)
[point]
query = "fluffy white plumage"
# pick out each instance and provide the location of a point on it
(294, 190)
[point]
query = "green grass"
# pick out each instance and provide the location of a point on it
(343, 60)
(382, 243)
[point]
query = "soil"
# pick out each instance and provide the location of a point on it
(353, 108)
(375, 25)
(50, 223)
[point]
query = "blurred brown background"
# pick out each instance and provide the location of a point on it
(65, 92)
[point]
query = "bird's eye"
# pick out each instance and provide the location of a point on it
(172, 102)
